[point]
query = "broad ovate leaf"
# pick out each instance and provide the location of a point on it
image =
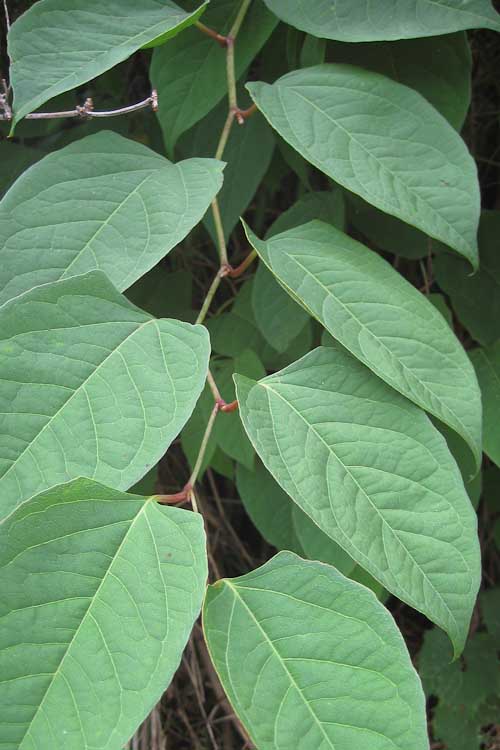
(90, 386)
(486, 361)
(190, 72)
(364, 303)
(365, 21)
(104, 202)
(384, 142)
(310, 659)
(100, 591)
(59, 44)
(375, 475)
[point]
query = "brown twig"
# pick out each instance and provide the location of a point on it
(84, 111)
(219, 38)
(234, 272)
(243, 114)
(7, 18)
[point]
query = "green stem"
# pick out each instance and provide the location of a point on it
(224, 135)
(239, 18)
(203, 446)
(208, 299)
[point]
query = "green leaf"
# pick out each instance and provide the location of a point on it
(439, 68)
(228, 430)
(91, 386)
(490, 607)
(248, 154)
(381, 318)
(279, 319)
(375, 475)
(104, 202)
(269, 507)
(388, 233)
(164, 293)
(14, 159)
(228, 435)
(282, 523)
(310, 659)
(313, 52)
(393, 149)
(487, 364)
(464, 689)
(100, 591)
(365, 21)
(325, 205)
(231, 333)
(58, 45)
(190, 71)
(475, 298)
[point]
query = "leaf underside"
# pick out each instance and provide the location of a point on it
(100, 591)
(91, 386)
(311, 660)
(381, 318)
(104, 202)
(375, 475)
(384, 142)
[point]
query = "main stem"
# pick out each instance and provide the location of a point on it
(224, 267)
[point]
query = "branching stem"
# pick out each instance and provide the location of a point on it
(86, 111)
(225, 269)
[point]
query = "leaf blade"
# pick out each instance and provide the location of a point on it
(376, 314)
(365, 22)
(190, 72)
(390, 134)
(76, 397)
(79, 41)
(374, 474)
(110, 627)
(290, 615)
(486, 361)
(127, 208)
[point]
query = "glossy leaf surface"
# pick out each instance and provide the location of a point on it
(91, 386)
(382, 141)
(100, 591)
(375, 475)
(104, 202)
(311, 660)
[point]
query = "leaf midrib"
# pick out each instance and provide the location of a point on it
(469, 253)
(293, 682)
(446, 409)
(84, 617)
(73, 394)
(285, 668)
(368, 498)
